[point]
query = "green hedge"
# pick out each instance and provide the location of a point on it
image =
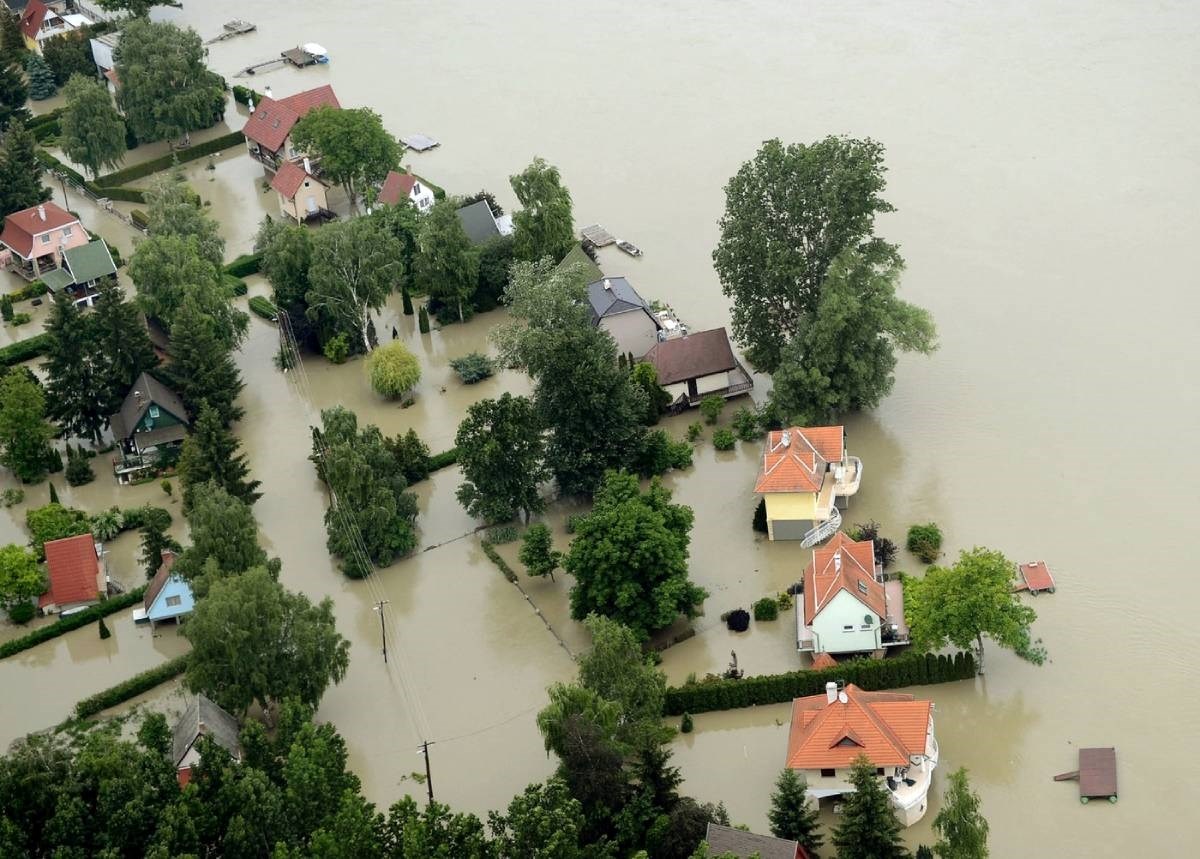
(236, 285)
(156, 165)
(30, 290)
(241, 94)
(23, 350)
(124, 195)
(245, 265)
(45, 118)
(53, 164)
(46, 130)
(443, 460)
(140, 219)
(65, 624)
(262, 307)
(131, 688)
(501, 564)
(911, 669)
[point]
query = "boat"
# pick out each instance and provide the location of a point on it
(317, 52)
(629, 248)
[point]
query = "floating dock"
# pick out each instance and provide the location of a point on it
(236, 27)
(1037, 578)
(1097, 774)
(420, 142)
(597, 235)
(306, 55)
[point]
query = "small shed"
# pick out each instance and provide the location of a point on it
(725, 840)
(202, 718)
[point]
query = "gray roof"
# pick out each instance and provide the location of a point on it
(724, 839)
(134, 408)
(479, 222)
(202, 716)
(611, 296)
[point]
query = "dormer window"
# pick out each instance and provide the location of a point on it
(154, 411)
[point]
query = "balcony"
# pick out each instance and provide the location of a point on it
(739, 383)
(847, 483)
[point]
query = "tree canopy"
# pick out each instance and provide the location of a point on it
(13, 93)
(21, 577)
(500, 450)
(869, 828)
(70, 54)
(543, 226)
(211, 452)
(446, 265)
(792, 816)
(224, 539)
(354, 148)
(962, 830)
(93, 133)
(24, 433)
(20, 171)
(285, 254)
(77, 397)
(393, 370)
(961, 604)
(202, 368)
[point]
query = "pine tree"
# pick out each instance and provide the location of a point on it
(962, 830)
(12, 43)
(155, 540)
(791, 815)
(41, 78)
(211, 453)
(20, 171)
(13, 93)
(76, 398)
(406, 301)
(122, 348)
(104, 633)
(53, 494)
(202, 367)
(869, 828)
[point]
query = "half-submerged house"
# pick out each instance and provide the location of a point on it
(892, 729)
(846, 606)
(202, 718)
(84, 267)
(151, 420)
(40, 21)
(398, 186)
(303, 195)
(727, 841)
(76, 580)
(699, 365)
(168, 596)
(481, 224)
(806, 476)
(269, 129)
(618, 309)
(35, 239)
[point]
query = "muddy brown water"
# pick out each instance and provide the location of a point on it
(1041, 158)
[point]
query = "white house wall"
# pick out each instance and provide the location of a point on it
(829, 626)
(634, 331)
(715, 382)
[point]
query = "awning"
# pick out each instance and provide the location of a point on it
(57, 280)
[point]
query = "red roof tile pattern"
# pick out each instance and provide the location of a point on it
(289, 178)
(32, 18)
(842, 565)
(74, 571)
(822, 661)
(692, 356)
(272, 121)
(888, 727)
(396, 187)
(21, 227)
(796, 459)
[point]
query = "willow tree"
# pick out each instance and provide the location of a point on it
(93, 133)
(543, 226)
(354, 266)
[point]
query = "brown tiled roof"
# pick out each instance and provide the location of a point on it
(74, 571)
(888, 727)
(726, 839)
(20, 227)
(273, 120)
(289, 178)
(160, 578)
(396, 187)
(842, 565)
(693, 356)
(822, 661)
(32, 18)
(795, 459)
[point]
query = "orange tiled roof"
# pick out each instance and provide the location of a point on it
(74, 571)
(290, 177)
(822, 661)
(842, 564)
(888, 727)
(795, 459)
(273, 120)
(396, 186)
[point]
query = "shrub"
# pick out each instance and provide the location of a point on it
(423, 320)
(65, 624)
(406, 301)
(9, 497)
(107, 524)
(261, 306)
(235, 285)
(167, 488)
(695, 430)
(711, 407)
(137, 517)
(738, 620)
(53, 522)
(21, 318)
(654, 455)
(686, 726)
(140, 219)
(22, 613)
(393, 370)
(680, 453)
(573, 521)
(54, 461)
(502, 534)
(104, 631)
(23, 350)
(723, 440)
(443, 460)
(745, 424)
(6, 308)
(766, 609)
(79, 468)
(760, 517)
(131, 688)
(925, 541)
(244, 266)
(885, 549)
(411, 455)
(783, 601)
(337, 348)
(473, 368)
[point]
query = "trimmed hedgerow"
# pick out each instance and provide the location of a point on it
(131, 688)
(156, 165)
(23, 350)
(501, 564)
(261, 306)
(443, 460)
(910, 669)
(236, 285)
(245, 265)
(75, 621)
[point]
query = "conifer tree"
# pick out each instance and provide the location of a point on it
(155, 539)
(202, 367)
(211, 453)
(12, 43)
(869, 828)
(791, 815)
(20, 171)
(76, 398)
(41, 78)
(122, 345)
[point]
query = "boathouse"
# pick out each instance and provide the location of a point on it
(618, 309)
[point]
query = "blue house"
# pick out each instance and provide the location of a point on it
(168, 596)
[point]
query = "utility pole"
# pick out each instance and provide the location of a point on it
(383, 629)
(62, 180)
(424, 750)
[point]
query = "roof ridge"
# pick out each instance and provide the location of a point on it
(884, 728)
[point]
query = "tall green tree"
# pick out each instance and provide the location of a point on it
(24, 434)
(543, 302)
(500, 451)
(354, 266)
(789, 212)
(155, 539)
(41, 78)
(869, 828)
(962, 830)
(169, 269)
(538, 553)
(356, 151)
(403, 222)
(136, 8)
(224, 539)
(202, 367)
(961, 604)
(543, 822)
(617, 670)
(77, 400)
(543, 226)
(21, 577)
(285, 251)
(166, 90)
(255, 642)
(792, 816)
(446, 265)
(645, 376)
(13, 93)
(121, 345)
(843, 354)
(435, 831)
(629, 557)
(93, 133)
(12, 43)
(70, 54)
(210, 453)
(174, 209)
(20, 171)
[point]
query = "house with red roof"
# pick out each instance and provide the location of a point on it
(269, 129)
(76, 580)
(846, 606)
(303, 195)
(34, 240)
(40, 21)
(399, 186)
(893, 730)
(805, 478)
(696, 365)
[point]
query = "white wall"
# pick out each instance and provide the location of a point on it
(715, 382)
(830, 635)
(634, 331)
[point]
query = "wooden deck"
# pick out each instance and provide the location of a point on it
(1037, 578)
(597, 235)
(1097, 774)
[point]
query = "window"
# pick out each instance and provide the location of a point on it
(416, 187)
(848, 628)
(66, 231)
(46, 239)
(154, 411)
(862, 586)
(866, 627)
(174, 601)
(879, 771)
(827, 773)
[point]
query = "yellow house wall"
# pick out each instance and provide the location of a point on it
(791, 505)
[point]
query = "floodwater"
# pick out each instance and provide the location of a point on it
(1041, 158)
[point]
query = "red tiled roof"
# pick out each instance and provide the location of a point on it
(32, 18)
(272, 121)
(842, 565)
(888, 727)
(396, 187)
(74, 571)
(289, 178)
(795, 459)
(822, 661)
(20, 227)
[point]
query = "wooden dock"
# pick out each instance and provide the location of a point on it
(420, 142)
(1097, 774)
(298, 57)
(597, 235)
(1037, 578)
(233, 28)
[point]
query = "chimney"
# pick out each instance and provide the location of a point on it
(831, 692)
(608, 284)
(307, 165)
(267, 92)
(137, 397)
(837, 560)
(250, 102)
(42, 212)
